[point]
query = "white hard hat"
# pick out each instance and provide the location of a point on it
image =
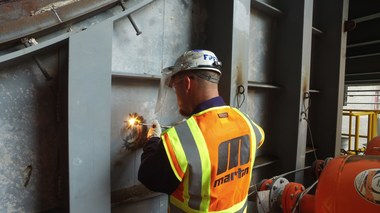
(195, 60)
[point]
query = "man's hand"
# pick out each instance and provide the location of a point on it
(155, 130)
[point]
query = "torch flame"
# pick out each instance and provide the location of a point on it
(132, 121)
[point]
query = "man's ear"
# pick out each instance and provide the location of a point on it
(187, 83)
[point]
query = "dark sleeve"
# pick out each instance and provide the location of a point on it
(155, 171)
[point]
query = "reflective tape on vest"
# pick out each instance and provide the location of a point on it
(204, 172)
(238, 208)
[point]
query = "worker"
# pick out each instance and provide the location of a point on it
(205, 162)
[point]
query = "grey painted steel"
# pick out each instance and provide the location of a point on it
(305, 71)
(26, 51)
(329, 60)
(169, 28)
(367, 18)
(292, 73)
(28, 140)
(89, 119)
(240, 49)
(129, 96)
(219, 33)
(261, 47)
(228, 33)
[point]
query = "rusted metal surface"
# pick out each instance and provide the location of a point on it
(23, 23)
(12, 10)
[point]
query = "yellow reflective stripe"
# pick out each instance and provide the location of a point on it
(194, 160)
(176, 206)
(205, 163)
(239, 207)
(253, 138)
(262, 135)
(178, 149)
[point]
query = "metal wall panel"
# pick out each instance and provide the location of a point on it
(329, 59)
(28, 139)
(143, 53)
(168, 28)
(129, 96)
(260, 47)
(89, 119)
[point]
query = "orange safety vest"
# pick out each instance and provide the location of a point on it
(212, 155)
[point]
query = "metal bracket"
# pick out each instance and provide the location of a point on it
(56, 14)
(138, 31)
(30, 42)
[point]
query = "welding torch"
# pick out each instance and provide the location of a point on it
(145, 124)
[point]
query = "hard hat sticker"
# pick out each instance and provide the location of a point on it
(367, 184)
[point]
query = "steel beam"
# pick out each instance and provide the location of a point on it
(89, 120)
(328, 77)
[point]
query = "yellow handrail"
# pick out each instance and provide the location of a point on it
(371, 130)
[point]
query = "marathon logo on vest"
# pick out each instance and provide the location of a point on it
(232, 155)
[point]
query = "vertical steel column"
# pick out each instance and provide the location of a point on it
(240, 49)
(228, 32)
(90, 56)
(328, 76)
(292, 65)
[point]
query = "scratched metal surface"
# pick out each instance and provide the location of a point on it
(28, 139)
(260, 55)
(15, 9)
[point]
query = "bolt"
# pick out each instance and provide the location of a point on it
(138, 32)
(296, 188)
(291, 196)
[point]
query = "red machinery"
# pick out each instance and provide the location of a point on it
(373, 147)
(346, 184)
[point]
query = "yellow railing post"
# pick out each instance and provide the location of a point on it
(371, 129)
(357, 123)
(349, 130)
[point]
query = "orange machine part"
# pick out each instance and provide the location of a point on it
(307, 204)
(290, 196)
(373, 147)
(349, 184)
(264, 185)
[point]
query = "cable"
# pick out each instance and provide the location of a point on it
(240, 91)
(302, 195)
(294, 171)
(311, 138)
(305, 116)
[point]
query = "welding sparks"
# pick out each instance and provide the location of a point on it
(132, 133)
(132, 121)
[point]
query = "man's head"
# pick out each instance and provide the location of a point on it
(194, 77)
